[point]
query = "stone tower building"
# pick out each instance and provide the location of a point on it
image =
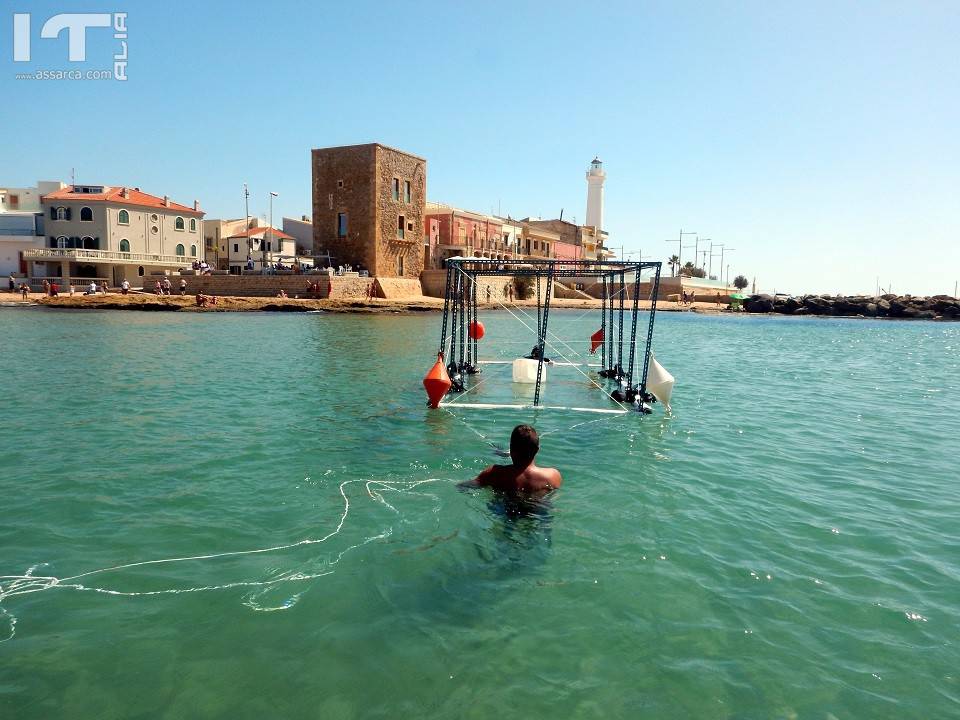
(368, 208)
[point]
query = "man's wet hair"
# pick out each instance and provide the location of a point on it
(524, 444)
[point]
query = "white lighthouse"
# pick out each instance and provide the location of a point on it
(595, 178)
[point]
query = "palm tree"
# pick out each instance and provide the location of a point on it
(674, 263)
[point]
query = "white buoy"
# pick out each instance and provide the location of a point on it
(659, 382)
(525, 371)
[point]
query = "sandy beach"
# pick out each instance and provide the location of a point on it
(187, 303)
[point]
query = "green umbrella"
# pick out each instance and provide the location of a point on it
(738, 296)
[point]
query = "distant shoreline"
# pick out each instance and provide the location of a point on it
(187, 303)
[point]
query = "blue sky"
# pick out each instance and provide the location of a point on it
(821, 141)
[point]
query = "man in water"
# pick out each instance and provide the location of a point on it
(523, 477)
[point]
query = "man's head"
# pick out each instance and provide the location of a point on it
(524, 444)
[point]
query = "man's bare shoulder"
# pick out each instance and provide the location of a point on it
(552, 476)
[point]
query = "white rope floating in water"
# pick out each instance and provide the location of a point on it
(12, 586)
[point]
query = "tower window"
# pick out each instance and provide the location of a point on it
(406, 191)
(401, 227)
(396, 188)
(341, 224)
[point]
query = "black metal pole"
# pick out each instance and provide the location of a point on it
(623, 291)
(454, 330)
(610, 325)
(446, 310)
(653, 311)
(603, 323)
(541, 340)
(633, 329)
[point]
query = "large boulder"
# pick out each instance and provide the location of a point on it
(759, 304)
(817, 305)
(870, 309)
(848, 306)
(923, 314)
(904, 311)
(790, 305)
(802, 310)
(883, 307)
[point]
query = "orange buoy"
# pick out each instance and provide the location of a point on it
(437, 382)
(596, 340)
(475, 330)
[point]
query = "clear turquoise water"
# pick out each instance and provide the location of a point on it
(785, 545)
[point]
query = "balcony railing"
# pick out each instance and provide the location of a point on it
(105, 256)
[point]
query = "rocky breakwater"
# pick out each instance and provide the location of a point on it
(905, 307)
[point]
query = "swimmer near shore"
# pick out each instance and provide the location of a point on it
(522, 477)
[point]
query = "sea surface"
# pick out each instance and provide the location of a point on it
(256, 516)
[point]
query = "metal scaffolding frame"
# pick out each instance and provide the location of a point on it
(460, 310)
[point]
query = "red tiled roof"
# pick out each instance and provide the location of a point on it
(115, 195)
(260, 231)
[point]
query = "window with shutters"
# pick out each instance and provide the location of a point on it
(124, 245)
(86, 214)
(178, 224)
(123, 217)
(180, 250)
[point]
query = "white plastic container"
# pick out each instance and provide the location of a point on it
(525, 371)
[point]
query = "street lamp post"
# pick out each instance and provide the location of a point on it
(721, 260)
(679, 242)
(269, 230)
(705, 241)
(710, 271)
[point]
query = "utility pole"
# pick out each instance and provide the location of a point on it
(269, 231)
(721, 256)
(705, 241)
(710, 271)
(246, 227)
(679, 242)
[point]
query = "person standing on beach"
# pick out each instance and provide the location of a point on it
(46, 286)
(125, 286)
(183, 286)
(522, 477)
(13, 284)
(24, 290)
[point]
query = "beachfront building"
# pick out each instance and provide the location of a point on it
(368, 208)
(253, 249)
(511, 233)
(454, 232)
(21, 225)
(114, 233)
(215, 234)
(302, 233)
(537, 241)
